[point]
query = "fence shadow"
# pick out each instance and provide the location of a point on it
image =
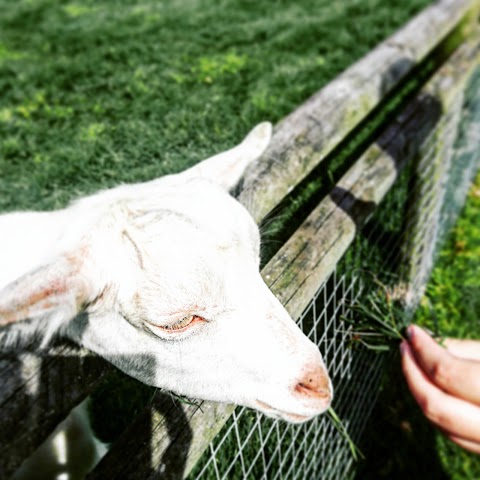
(39, 389)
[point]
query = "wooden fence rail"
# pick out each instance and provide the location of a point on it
(303, 139)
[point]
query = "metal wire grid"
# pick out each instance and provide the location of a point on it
(252, 446)
(466, 158)
(448, 161)
(404, 231)
(429, 181)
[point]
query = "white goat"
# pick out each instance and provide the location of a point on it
(162, 279)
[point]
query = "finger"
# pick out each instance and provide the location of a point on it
(463, 348)
(457, 417)
(466, 444)
(457, 376)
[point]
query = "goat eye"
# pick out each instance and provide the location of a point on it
(183, 324)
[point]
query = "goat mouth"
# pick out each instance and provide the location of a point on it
(276, 413)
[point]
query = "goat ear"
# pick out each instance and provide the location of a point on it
(56, 290)
(227, 168)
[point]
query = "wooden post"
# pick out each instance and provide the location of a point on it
(304, 138)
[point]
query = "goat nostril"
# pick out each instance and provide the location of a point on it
(307, 391)
(314, 385)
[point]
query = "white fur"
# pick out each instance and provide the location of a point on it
(113, 270)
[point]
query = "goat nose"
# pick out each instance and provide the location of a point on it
(315, 384)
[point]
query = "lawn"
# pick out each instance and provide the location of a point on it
(93, 94)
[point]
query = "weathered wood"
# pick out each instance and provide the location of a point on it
(305, 137)
(166, 440)
(311, 254)
(37, 391)
(425, 201)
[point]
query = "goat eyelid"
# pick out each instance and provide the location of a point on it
(180, 326)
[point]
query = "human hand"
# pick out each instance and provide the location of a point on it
(445, 384)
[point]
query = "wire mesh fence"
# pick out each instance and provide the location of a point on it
(396, 249)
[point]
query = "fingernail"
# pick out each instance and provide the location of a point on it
(403, 347)
(410, 332)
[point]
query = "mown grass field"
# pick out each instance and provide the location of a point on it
(93, 94)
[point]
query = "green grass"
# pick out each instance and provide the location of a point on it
(401, 443)
(452, 301)
(97, 93)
